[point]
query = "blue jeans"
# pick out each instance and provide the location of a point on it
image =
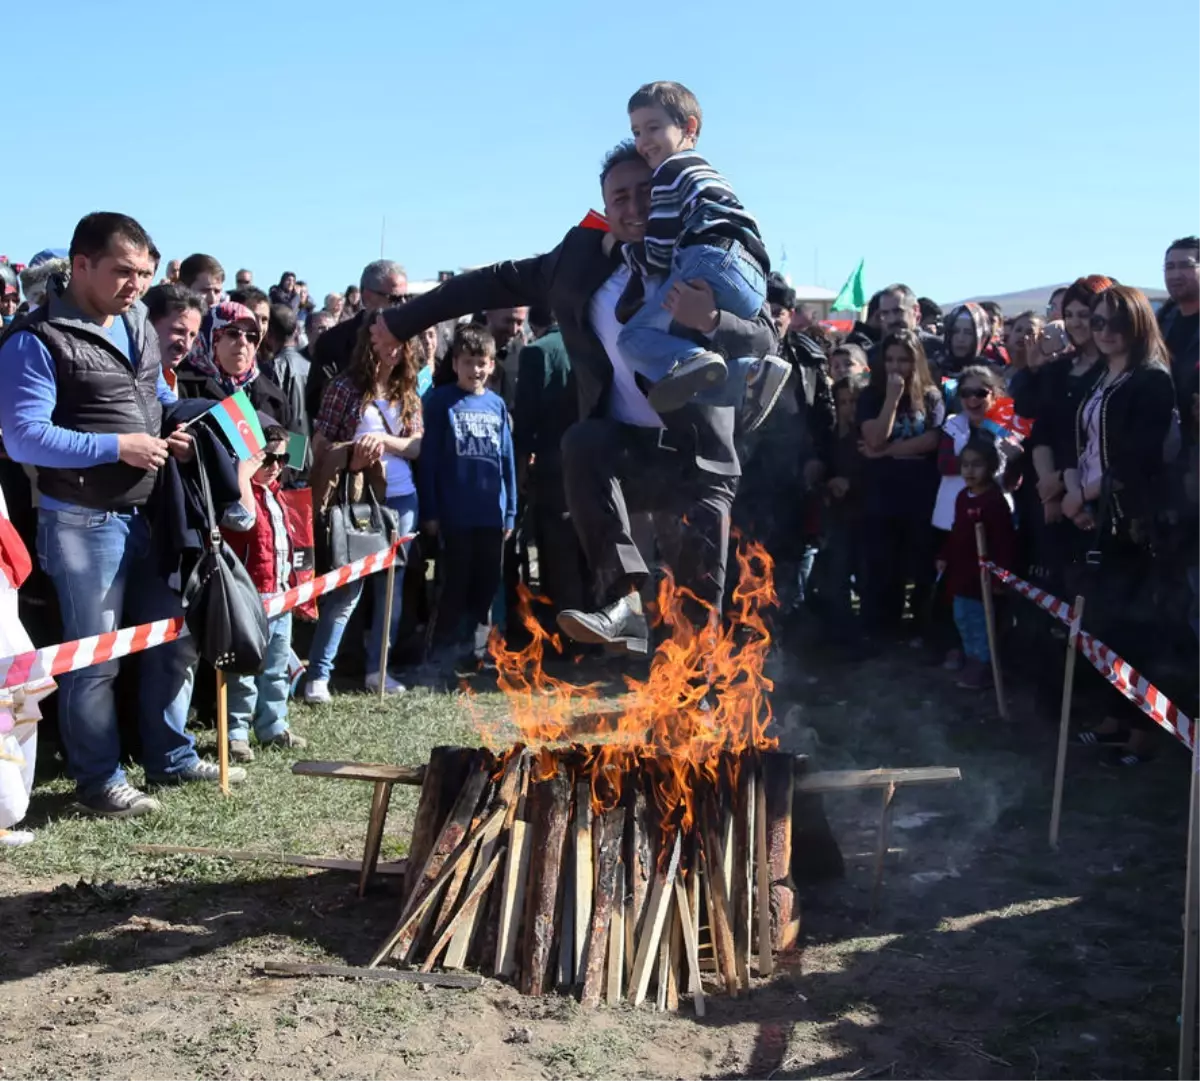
(338, 607)
(105, 575)
(971, 622)
(738, 287)
(261, 701)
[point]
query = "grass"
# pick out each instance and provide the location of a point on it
(273, 811)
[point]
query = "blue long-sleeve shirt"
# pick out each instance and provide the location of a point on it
(467, 471)
(27, 407)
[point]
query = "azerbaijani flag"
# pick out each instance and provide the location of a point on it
(238, 422)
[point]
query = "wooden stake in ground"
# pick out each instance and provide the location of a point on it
(885, 819)
(222, 733)
(1189, 1013)
(584, 872)
(607, 832)
(652, 927)
(989, 612)
(549, 806)
(690, 944)
(386, 642)
(444, 777)
(742, 884)
(720, 917)
(762, 876)
(616, 941)
(777, 780)
(1064, 721)
(512, 898)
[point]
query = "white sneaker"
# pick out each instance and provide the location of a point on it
(15, 838)
(393, 686)
(317, 690)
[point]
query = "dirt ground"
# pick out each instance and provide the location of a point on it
(990, 956)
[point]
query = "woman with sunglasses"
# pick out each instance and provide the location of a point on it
(224, 361)
(372, 416)
(1116, 490)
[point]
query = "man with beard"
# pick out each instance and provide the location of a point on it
(620, 456)
(174, 312)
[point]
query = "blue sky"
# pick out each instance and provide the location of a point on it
(963, 148)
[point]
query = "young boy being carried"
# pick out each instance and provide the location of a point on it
(698, 230)
(257, 531)
(468, 489)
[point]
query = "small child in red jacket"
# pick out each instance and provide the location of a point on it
(981, 501)
(256, 528)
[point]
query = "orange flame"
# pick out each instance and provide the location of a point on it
(705, 697)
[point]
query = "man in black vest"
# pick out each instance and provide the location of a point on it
(621, 456)
(83, 402)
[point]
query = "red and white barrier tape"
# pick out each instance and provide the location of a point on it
(84, 652)
(1119, 672)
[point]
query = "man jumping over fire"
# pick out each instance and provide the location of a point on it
(620, 456)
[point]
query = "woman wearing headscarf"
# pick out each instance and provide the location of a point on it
(224, 360)
(968, 334)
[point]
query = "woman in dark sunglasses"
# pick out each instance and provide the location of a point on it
(1116, 491)
(224, 361)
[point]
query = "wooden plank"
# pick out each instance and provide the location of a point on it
(349, 972)
(675, 960)
(584, 875)
(616, 941)
(361, 771)
(778, 781)
(456, 953)
(639, 862)
(240, 855)
(484, 952)
(762, 881)
(564, 922)
(881, 848)
(381, 796)
(405, 929)
(741, 885)
(652, 926)
(690, 944)
(549, 806)
(466, 910)
(512, 902)
(607, 833)
(720, 918)
(842, 780)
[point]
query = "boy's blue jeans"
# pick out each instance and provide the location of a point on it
(971, 622)
(106, 576)
(337, 608)
(261, 701)
(739, 288)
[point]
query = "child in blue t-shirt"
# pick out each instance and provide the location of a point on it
(468, 487)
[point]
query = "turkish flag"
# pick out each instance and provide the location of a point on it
(297, 505)
(593, 219)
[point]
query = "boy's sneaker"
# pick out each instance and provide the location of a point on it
(15, 838)
(240, 750)
(685, 380)
(393, 686)
(317, 690)
(287, 738)
(201, 770)
(764, 384)
(119, 801)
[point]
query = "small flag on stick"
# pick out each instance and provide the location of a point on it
(853, 296)
(238, 422)
(593, 219)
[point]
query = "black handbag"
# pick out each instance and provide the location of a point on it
(221, 605)
(357, 530)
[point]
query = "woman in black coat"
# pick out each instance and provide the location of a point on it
(223, 361)
(1116, 494)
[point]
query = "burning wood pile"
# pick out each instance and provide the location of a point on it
(640, 862)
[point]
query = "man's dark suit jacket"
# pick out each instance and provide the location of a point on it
(565, 280)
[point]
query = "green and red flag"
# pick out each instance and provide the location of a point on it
(238, 422)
